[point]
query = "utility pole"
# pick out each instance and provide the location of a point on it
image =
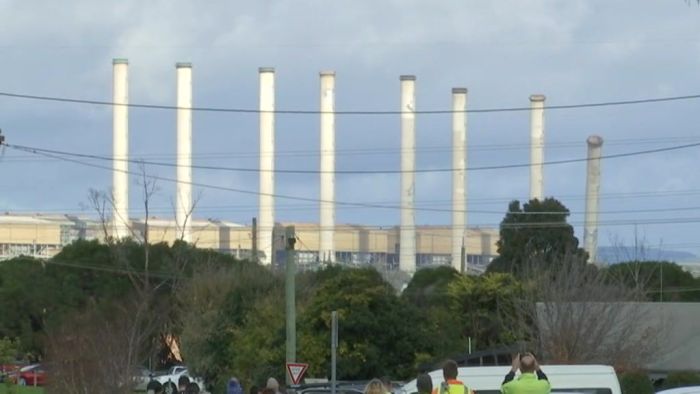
(290, 298)
(463, 258)
(334, 348)
(661, 267)
(254, 247)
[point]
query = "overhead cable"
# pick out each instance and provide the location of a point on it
(353, 172)
(241, 191)
(358, 112)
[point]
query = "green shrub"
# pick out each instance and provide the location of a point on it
(681, 379)
(635, 383)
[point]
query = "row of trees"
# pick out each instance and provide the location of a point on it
(98, 310)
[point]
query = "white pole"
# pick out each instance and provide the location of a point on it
(120, 146)
(183, 204)
(590, 235)
(327, 220)
(459, 173)
(537, 146)
(407, 252)
(267, 163)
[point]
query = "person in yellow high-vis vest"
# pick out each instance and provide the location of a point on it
(451, 385)
(531, 380)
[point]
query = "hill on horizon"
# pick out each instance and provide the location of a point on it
(618, 254)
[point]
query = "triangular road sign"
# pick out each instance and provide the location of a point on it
(296, 371)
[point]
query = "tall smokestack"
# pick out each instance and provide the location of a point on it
(327, 222)
(590, 236)
(537, 146)
(407, 238)
(267, 163)
(459, 165)
(120, 148)
(183, 204)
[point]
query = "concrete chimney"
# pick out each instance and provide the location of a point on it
(407, 238)
(537, 147)
(327, 220)
(267, 164)
(590, 236)
(120, 148)
(459, 173)
(183, 204)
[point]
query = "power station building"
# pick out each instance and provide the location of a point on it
(43, 236)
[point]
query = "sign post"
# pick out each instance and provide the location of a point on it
(296, 371)
(290, 297)
(334, 348)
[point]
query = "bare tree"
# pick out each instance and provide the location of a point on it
(99, 349)
(574, 314)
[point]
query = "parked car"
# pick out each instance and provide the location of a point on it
(681, 390)
(342, 387)
(31, 375)
(140, 378)
(9, 369)
(170, 378)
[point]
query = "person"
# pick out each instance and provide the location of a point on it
(154, 387)
(375, 386)
(182, 384)
(451, 385)
(388, 387)
(273, 384)
(191, 388)
(424, 384)
(531, 380)
(234, 387)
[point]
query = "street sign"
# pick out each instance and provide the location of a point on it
(296, 371)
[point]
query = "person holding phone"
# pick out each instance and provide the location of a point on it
(531, 380)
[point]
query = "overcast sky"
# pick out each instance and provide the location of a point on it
(502, 51)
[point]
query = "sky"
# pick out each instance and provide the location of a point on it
(502, 51)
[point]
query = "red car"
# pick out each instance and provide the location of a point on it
(9, 369)
(31, 375)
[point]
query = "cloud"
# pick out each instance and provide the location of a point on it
(573, 51)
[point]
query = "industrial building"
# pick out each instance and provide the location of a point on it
(43, 236)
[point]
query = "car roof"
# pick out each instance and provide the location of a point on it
(681, 390)
(29, 367)
(342, 386)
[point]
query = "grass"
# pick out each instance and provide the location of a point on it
(5, 389)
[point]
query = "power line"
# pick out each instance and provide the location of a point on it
(102, 268)
(378, 151)
(308, 207)
(424, 231)
(350, 172)
(242, 191)
(429, 202)
(361, 112)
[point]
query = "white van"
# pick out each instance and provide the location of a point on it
(570, 379)
(681, 390)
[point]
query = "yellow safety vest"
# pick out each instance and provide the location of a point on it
(453, 387)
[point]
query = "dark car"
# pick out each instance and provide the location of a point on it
(342, 387)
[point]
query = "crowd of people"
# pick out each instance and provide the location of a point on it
(184, 386)
(532, 380)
